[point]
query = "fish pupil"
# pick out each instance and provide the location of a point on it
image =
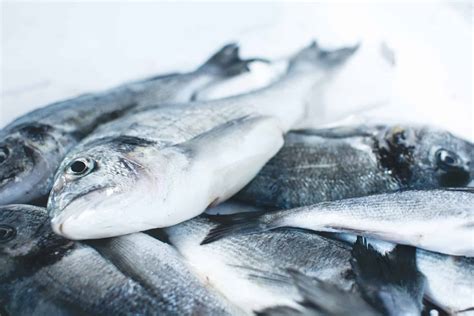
(78, 167)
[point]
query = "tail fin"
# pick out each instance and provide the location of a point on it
(321, 298)
(235, 224)
(227, 62)
(389, 281)
(313, 56)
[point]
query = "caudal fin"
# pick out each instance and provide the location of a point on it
(322, 298)
(388, 281)
(314, 56)
(227, 62)
(235, 224)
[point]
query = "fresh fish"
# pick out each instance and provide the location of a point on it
(162, 272)
(32, 146)
(390, 282)
(449, 279)
(133, 174)
(44, 274)
(436, 220)
(344, 162)
(322, 299)
(252, 271)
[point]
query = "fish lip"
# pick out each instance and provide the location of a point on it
(62, 214)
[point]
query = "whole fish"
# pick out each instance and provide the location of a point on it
(351, 161)
(44, 274)
(436, 220)
(321, 298)
(449, 279)
(32, 146)
(390, 282)
(133, 174)
(252, 271)
(160, 269)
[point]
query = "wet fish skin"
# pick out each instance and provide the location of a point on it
(32, 146)
(215, 147)
(406, 217)
(43, 274)
(259, 263)
(390, 282)
(322, 298)
(449, 279)
(162, 271)
(351, 161)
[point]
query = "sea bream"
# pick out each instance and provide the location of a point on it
(252, 271)
(44, 274)
(436, 220)
(163, 165)
(163, 272)
(33, 146)
(352, 161)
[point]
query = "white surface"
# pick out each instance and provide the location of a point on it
(52, 51)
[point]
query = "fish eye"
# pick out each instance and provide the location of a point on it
(447, 160)
(80, 166)
(4, 153)
(7, 233)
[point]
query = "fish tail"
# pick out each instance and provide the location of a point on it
(235, 224)
(227, 62)
(314, 56)
(396, 270)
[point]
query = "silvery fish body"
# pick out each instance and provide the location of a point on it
(252, 271)
(407, 217)
(32, 146)
(43, 274)
(162, 271)
(351, 161)
(168, 164)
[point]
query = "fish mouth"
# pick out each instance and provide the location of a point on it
(68, 211)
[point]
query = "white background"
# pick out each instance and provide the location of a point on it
(54, 50)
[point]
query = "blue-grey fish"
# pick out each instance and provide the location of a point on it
(162, 271)
(32, 146)
(449, 279)
(252, 271)
(320, 298)
(163, 165)
(436, 220)
(351, 161)
(44, 274)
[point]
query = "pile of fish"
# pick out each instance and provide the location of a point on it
(146, 199)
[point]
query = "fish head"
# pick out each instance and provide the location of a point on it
(442, 159)
(99, 191)
(29, 155)
(21, 229)
(427, 157)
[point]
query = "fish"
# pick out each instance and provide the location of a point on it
(44, 274)
(327, 164)
(162, 166)
(449, 279)
(33, 146)
(412, 217)
(390, 282)
(321, 299)
(161, 270)
(252, 271)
